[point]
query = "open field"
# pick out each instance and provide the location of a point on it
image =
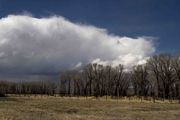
(58, 108)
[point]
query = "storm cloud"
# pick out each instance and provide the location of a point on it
(48, 45)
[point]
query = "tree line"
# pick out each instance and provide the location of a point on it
(159, 78)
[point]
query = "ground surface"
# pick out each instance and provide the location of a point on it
(57, 108)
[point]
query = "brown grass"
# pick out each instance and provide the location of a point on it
(57, 108)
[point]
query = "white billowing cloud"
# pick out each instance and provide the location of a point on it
(49, 45)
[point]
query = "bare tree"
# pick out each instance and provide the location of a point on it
(167, 74)
(88, 70)
(154, 65)
(140, 80)
(62, 91)
(176, 67)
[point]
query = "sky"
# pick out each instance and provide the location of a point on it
(47, 36)
(157, 18)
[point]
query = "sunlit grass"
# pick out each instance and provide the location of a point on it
(82, 108)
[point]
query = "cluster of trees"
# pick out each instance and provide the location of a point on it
(96, 80)
(158, 78)
(27, 87)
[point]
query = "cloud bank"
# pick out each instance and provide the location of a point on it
(48, 45)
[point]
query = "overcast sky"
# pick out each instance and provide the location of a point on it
(45, 37)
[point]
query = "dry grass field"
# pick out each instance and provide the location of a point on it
(58, 108)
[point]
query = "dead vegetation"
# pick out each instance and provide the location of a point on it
(74, 108)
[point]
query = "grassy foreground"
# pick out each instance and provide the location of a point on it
(57, 108)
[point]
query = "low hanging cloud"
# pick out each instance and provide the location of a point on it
(48, 45)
